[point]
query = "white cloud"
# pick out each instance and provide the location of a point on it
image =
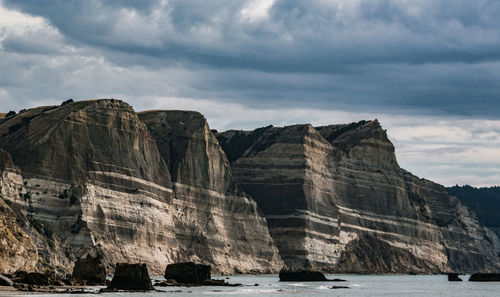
(256, 10)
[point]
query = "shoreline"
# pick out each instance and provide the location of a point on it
(93, 290)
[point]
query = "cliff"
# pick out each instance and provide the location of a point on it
(159, 187)
(485, 202)
(215, 221)
(26, 244)
(335, 198)
(92, 174)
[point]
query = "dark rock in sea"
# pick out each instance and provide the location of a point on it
(301, 276)
(5, 281)
(485, 277)
(90, 271)
(219, 283)
(130, 277)
(167, 283)
(188, 272)
(453, 277)
(214, 282)
(339, 287)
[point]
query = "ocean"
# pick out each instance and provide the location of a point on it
(359, 286)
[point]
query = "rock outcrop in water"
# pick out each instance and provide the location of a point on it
(130, 277)
(485, 277)
(93, 175)
(188, 273)
(301, 276)
(90, 271)
(336, 199)
(158, 187)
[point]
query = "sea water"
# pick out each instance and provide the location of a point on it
(359, 286)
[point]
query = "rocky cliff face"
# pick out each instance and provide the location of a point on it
(92, 174)
(466, 241)
(485, 202)
(334, 194)
(26, 244)
(17, 250)
(217, 221)
(159, 187)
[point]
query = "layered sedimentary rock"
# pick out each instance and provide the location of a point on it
(466, 241)
(332, 194)
(17, 250)
(157, 187)
(91, 173)
(485, 202)
(215, 222)
(25, 243)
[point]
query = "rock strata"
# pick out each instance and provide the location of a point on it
(92, 178)
(331, 193)
(158, 187)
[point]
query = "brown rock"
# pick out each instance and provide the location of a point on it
(90, 271)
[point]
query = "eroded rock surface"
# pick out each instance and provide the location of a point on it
(329, 193)
(93, 178)
(157, 187)
(215, 222)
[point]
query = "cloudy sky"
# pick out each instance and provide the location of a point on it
(429, 70)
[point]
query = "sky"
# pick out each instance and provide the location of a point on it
(428, 70)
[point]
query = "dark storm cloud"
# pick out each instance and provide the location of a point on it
(297, 36)
(419, 56)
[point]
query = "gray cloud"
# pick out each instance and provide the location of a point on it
(244, 63)
(428, 55)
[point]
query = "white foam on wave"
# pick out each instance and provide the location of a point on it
(298, 285)
(242, 291)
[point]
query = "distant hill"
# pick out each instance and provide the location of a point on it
(485, 202)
